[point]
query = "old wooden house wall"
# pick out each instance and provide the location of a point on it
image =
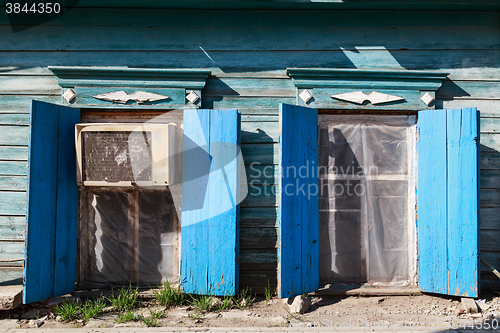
(248, 52)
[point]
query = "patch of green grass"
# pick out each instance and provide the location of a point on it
(73, 310)
(126, 300)
(156, 313)
(92, 309)
(126, 316)
(150, 322)
(69, 311)
(201, 302)
(245, 294)
(168, 296)
(227, 303)
(268, 293)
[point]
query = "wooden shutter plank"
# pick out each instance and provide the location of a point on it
(463, 263)
(447, 201)
(67, 204)
(431, 201)
(222, 191)
(298, 221)
(194, 234)
(210, 224)
(42, 178)
(52, 201)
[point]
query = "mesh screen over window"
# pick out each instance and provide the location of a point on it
(366, 199)
(107, 156)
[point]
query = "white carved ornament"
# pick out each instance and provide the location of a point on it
(138, 97)
(359, 97)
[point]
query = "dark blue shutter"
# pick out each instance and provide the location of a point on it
(298, 212)
(210, 198)
(51, 234)
(448, 201)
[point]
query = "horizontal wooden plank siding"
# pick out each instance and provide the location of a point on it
(248, 52)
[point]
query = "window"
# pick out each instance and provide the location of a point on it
(366, 199)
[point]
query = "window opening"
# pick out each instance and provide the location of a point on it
(367, 199)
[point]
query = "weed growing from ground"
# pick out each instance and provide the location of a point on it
(156, 313)
(69, 311)
(73, 310)
(126, 316)
(126, 300)
(267, 292)
(245, 299)
(167, 296)
(92, 309)
(226, 304)
(201, 302)
(150, 322)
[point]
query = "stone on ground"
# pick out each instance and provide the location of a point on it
(469, 305)
(298, 304)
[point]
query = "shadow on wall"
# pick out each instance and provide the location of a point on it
(346, 214)
(13, 282)
(214, 91)
(258, 232)
(489, 217)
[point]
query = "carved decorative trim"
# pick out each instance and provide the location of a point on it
(395, 90)
(167, 87)
(305, 96)
(304, 78)
(427, 99)
(138, 97)
(68, 77)
(69, 95)
(192, 97)
(360, 97)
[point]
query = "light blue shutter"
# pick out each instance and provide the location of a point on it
(51, 233)
(298, 212)
(210, 202)
(448, 201)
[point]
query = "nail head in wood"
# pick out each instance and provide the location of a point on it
(69, 95)
(192, 97)
(427, 99)
(305, 96)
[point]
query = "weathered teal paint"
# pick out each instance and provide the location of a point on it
(249, 52)
(298, 209)
(50, 252)
(448, 201)
(210, 200)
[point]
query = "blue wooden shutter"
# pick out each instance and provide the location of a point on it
(448, 201)
(298, 212)
(51, 233)
(210, 210)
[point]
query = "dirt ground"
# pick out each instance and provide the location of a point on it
(379, 312)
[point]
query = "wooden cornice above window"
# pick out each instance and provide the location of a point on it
(363, 89)
(119, 87)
